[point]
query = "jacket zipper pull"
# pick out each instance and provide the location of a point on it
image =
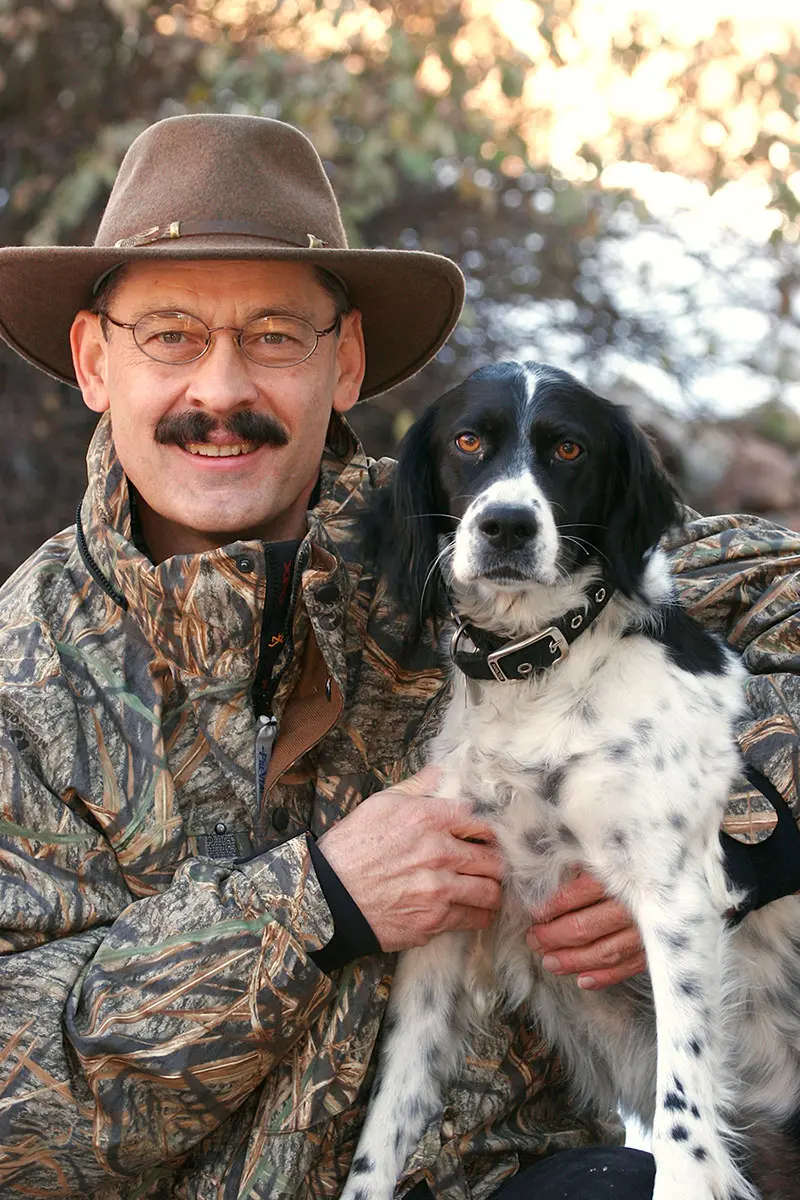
(266, 733)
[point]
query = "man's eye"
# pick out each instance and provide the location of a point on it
(168, 337)
(271, 339)
(568, 451)
(468, 443)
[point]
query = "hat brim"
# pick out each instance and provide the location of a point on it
(409, 300)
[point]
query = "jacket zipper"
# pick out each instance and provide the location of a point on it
(266, 735)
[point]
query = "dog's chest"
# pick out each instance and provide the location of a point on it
(616, 736)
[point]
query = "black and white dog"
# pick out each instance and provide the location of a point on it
(592, 723)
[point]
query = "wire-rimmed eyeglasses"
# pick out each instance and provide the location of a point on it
(177, 338)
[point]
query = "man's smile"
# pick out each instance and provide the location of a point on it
(220, 450)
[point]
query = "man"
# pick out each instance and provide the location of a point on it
(206, 850)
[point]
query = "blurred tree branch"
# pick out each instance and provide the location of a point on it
(486, 131)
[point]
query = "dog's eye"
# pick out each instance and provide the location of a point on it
(568, 451)
(469, 443)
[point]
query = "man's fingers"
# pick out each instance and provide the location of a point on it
(425, 782)
(604, 978)
(465, 917)
(576, 893)
(606, 954)
(476, 891)
(447, 812)
(583, 926)
(476, 858)
(459, 819)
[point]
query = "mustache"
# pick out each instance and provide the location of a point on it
(247, 426)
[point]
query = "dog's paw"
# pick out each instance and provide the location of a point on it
(670, 1188)
(701, 1181)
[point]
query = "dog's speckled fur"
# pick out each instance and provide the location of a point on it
(619, 759)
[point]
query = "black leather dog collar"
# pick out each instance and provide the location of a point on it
(509, 660)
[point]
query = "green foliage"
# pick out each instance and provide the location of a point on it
(776, 422)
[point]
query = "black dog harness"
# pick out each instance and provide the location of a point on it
(509, 660)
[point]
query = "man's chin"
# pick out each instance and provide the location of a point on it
(194, 530)
(184, 520)
(222, 530)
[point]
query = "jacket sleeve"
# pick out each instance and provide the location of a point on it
(130, 1028)
(741, 577)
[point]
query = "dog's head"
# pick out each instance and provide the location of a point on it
(528, 476)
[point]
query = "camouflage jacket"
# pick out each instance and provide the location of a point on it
(164, 1031)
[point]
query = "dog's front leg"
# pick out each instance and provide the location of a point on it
(421, 1046)
(684, 939)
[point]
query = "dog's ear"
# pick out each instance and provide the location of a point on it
(641, 503)
(411, 541)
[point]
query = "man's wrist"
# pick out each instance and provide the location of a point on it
(353, 935)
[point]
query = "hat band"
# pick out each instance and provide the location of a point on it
(177, 229)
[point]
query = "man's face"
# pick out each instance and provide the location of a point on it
(191, 500)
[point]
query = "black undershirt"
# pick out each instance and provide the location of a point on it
(279, 560)
(353, 936)
(770, 869)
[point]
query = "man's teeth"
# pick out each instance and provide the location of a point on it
(210, 450)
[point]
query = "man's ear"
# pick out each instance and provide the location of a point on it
(89, 355)
(351, 361)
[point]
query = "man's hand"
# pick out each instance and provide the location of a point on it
(582, 932)
(404, 858)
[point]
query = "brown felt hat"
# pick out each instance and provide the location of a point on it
(218, 186)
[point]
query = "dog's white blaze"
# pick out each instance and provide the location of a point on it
(531, 377)
(522, 491)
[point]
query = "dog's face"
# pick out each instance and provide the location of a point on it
(537, 475)
(521, 462)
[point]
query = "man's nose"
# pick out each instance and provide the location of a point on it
(223, 377)
(507, 526)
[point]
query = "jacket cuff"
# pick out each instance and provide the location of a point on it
(285, 881)
(770, 869)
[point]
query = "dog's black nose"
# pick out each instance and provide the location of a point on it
(506, 526)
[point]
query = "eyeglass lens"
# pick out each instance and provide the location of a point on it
(173, 337)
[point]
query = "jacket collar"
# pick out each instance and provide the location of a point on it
(202, 612)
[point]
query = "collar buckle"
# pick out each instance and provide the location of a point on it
(558, 648)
